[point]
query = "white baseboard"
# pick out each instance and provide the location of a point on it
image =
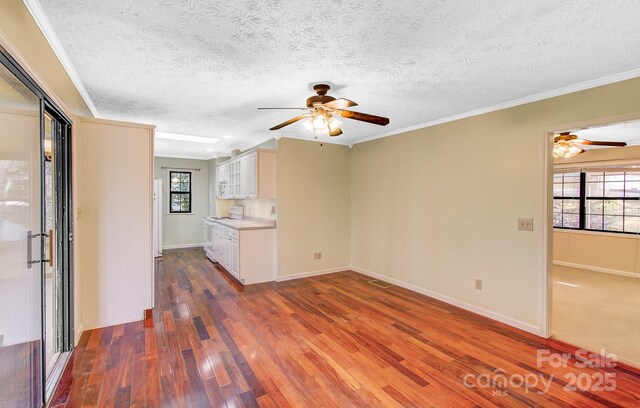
(117, 323)
(181, 246)
(597, 269)
(455, 302)
(282, 278)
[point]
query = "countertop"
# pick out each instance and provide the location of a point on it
(245, 224)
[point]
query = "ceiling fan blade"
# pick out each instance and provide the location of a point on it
(596, 143)
(340, 103)
(283, 108)
(290, 121)
(336, 132)
(365, 117)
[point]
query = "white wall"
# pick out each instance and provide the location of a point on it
(116, 221)
(184, 230)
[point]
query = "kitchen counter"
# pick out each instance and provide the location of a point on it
(245, 224)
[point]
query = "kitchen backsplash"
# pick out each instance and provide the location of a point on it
(264, 209)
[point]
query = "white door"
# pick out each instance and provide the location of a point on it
(21, 245)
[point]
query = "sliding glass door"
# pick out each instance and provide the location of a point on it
(36, 240)
(21, 243)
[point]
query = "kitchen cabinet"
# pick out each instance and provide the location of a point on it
(234, 257)
(249, 175)
(246, 254)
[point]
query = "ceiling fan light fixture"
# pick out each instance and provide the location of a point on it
(334, 123)
(308, 124)
(320, 123)
(564, 150)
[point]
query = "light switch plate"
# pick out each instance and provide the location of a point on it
(525, 224)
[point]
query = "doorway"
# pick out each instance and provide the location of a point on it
(594, 278)
(36, 325)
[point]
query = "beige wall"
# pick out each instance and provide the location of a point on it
(437, 207)
(598, 251)
(184, 230)
(18, 27)
(116, 214)
(314, 209)
(602, 252)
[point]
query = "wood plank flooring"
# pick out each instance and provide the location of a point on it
(327, 341)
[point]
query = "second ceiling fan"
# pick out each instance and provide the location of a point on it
(323, 112)
(566, 145)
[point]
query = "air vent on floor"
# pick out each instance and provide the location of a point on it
(381, 284)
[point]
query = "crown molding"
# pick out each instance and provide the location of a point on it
(582, 86)
(43, 23)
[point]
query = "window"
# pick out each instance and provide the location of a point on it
(597, 201)
(566, 200)
(179, 192)
(612, 201)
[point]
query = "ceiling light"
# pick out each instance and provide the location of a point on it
(334, 123)
(210, 149)
(320, 123)
(227, 136)
(186, 138)
(563, 149)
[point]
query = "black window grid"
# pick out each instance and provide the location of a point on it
(583, 212)
(182, 190)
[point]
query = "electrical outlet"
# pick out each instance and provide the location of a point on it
(479, 284)
(525, 224)
(317, 255)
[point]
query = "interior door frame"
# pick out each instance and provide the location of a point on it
(48, 105)
(547, 134)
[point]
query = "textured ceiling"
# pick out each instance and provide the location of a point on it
(202, 67)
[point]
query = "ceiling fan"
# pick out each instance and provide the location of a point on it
(323, 111)
(566, 145)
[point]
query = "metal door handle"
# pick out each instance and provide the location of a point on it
(31, 236)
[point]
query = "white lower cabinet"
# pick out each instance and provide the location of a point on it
(234, 257)
(248, 255)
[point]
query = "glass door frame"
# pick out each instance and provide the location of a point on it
(64, 214)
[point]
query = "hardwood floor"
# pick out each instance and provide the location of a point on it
(328, 341)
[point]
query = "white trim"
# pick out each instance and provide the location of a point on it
(100, 326)
(546, 223)
(282, 278)
(455, 302)
(598, 269)
(49, 34)
(180, 246)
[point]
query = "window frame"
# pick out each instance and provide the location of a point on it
(583, 199)
(181, 193)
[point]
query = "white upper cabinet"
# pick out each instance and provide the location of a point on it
(250, 175)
